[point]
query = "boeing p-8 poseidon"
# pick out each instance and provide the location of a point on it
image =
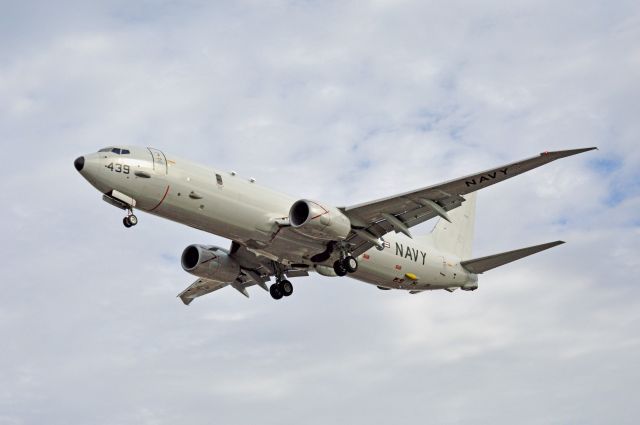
(277, 236)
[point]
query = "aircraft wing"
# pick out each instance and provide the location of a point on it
(202, 286)
(199, 288)
(254, 270)
(372, 220)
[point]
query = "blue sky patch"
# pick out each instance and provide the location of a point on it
(606, 166)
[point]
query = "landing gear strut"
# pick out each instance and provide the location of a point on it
(130, 220)
(282, 287)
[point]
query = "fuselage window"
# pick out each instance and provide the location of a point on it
(219, 179)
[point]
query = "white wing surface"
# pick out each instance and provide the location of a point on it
(372, 220)
(254, 270)
(199, 288)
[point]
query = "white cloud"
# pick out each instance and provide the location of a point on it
(343, 102)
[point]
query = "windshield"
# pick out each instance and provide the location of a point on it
(117, 151)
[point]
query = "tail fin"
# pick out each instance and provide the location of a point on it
(457, 237)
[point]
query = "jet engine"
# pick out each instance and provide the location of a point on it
(210, 262)
(319, 222)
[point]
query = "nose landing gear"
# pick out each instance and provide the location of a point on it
(130, 220)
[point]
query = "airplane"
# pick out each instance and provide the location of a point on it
(277, 236)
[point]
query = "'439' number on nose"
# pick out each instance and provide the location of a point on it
(118, 168)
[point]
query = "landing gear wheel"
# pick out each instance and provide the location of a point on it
(339, 268)
(133, 220)
(275, 291)
(350, 264)
(126, 222)
(286, 288)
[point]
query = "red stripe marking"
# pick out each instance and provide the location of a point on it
(210, 259)
(321, 214)
(166, 192)
(275, 234)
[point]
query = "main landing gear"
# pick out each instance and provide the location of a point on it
(282, 288)
(347, 264)
(130, 220)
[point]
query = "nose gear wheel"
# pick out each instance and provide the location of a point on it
(130, 220)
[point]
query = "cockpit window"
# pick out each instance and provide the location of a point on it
(117, 151)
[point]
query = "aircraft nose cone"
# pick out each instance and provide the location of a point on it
(79, 163)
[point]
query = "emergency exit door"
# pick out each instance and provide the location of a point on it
(159, 161)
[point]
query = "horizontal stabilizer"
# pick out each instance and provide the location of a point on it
(481, 265)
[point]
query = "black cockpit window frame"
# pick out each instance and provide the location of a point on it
(117, 151)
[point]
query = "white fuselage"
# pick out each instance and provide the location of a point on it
(235, 208)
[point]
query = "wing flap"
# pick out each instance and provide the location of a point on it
(199, 288)
(483, 264)
(254, 270)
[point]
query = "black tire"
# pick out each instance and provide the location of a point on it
(126, 222)
(339, 268)
(286, 288)
(350, 264)
(275, 291)
(133, 220)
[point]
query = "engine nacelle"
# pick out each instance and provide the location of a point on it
(210, 262)
(319, 222)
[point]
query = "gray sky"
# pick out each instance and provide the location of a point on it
(342, 102)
